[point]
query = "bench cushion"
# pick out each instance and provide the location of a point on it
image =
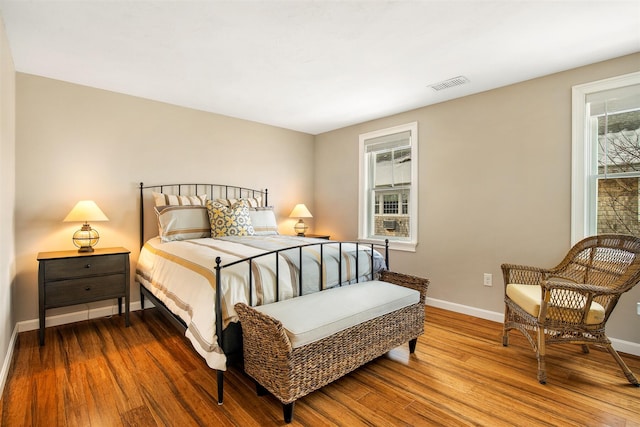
(315, 316)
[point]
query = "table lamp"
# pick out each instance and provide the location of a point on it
(300, 211)
(84, 211)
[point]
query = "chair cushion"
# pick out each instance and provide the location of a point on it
(529, 297)
(315, 316)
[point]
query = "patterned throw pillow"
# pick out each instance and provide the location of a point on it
(225, 221)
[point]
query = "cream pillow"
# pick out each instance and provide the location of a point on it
(263, 221)
(251, 202)
(163, 199)
(182, 222)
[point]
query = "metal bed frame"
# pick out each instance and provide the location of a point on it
(230, 338)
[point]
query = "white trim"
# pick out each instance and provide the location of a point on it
(622, 346)
(4, 373)
(78, 316)
(580, 158)
(465, 309)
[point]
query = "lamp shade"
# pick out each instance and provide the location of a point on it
(85, 211)
(300, 211)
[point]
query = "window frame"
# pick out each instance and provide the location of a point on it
(364, 186)
(582, 156)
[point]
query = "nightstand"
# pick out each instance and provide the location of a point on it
(71, 277)
(318, 236)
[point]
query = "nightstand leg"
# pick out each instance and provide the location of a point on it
(126, 312)
(41, 332)
(120, 306)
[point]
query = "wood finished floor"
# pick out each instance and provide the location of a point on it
(98, 373)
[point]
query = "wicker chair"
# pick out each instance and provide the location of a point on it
(572, 302)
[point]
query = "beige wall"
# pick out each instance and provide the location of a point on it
(494, 176)
(75, 142)
(7, 194)
(495, 186)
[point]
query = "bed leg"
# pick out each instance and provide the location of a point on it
(287, 410)
(220, 386)
(412, 345)
(141, 301)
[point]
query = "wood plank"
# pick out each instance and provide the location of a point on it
(99, 373)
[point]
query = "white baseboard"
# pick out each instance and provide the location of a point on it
(622, 346)
(465, 309)
(4, 373)
(77, 316)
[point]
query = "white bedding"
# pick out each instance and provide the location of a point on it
(181, 274)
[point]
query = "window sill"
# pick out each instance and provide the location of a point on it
(393, 245)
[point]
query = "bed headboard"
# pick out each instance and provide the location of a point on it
(148, 225)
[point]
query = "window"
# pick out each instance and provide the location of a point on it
(388, 204)
(606, 157)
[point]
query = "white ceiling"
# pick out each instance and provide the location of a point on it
(311, 66)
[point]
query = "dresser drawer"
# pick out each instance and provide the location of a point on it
(83, 266)
(78, 291)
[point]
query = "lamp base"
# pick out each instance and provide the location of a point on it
(85, 249)
(300, 227)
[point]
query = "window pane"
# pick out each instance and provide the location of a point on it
(402, 166)
(390, 204)
(618, 149)
(618, 206)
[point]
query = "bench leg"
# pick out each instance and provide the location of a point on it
(261, 391)
(412, 345)
(287, 410)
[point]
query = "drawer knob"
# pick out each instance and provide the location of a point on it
(88, 288)
(87, 266)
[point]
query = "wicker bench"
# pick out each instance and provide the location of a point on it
(290, 361)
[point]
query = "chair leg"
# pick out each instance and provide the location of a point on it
(412, 345)
(585, 348)
(627, 372)
(505, 331)
(540, 353)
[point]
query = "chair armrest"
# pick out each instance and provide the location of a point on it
(523, 274)
(583, 288)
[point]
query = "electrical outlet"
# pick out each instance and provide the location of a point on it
(488, 279)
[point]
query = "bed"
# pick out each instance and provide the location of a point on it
(206, 247)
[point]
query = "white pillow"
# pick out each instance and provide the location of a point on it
(263, 221)
(162, 199)
(182, 222)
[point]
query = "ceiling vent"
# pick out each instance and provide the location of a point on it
(456, 81)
